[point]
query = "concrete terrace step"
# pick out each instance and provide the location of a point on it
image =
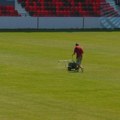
(20, 9)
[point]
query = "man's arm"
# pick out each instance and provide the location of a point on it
(73, 52)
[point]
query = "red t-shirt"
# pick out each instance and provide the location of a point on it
(78, 51)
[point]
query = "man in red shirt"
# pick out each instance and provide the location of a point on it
(79, 55)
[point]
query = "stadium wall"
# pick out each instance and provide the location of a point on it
(61, 22)
(48, 23)
(27, 22)
(18, 22)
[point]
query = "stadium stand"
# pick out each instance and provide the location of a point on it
(8, 11)
(58, 8)
(7, 8)
(61, 7)
(107, 10)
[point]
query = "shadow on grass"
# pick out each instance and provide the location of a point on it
(59, 30)
(74, 71)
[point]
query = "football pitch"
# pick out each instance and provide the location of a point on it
(35, 86)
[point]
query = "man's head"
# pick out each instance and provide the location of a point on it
(76, 44)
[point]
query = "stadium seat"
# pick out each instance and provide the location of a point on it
(61, 7)
(8, 10)
(64, 8)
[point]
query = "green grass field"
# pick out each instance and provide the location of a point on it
(35, 86)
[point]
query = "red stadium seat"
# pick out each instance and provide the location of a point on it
(61, 8)
(65, 8)
(8, 10)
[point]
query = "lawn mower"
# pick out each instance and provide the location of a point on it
(72, 66)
